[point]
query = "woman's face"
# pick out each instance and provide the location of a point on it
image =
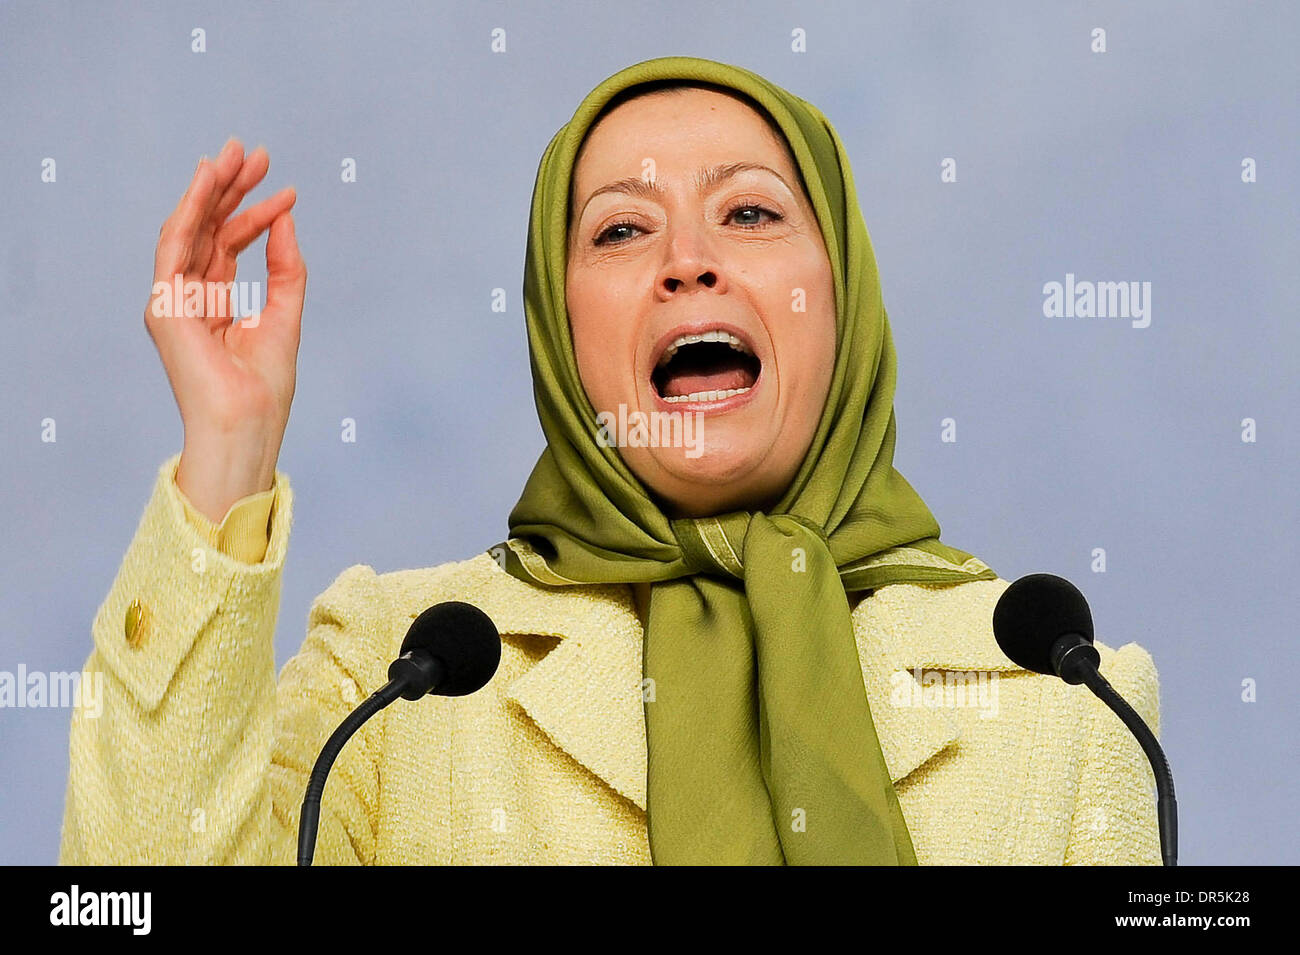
(669, 239)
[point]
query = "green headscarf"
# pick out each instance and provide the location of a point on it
(761, 746)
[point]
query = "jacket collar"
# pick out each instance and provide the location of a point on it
(585, 694)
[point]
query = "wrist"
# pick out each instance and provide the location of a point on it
(214, 475)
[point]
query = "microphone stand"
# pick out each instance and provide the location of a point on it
(410, 676)
(1076, 661)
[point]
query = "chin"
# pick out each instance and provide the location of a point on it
(723, 478)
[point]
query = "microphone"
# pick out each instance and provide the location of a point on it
(1042, 623)
(451, 649)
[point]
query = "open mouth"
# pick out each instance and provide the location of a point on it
(712, 366)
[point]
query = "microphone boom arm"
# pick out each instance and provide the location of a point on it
(452, 649)
(1042, 623)
(310, 816)
(1166, 805)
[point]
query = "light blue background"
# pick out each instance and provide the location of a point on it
(1072, 433)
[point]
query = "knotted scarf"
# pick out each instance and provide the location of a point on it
(760, 741)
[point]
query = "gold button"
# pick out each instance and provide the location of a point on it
(135, 623)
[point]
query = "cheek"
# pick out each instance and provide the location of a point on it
(805, 374)
(795, 284)
(602, 346)
(804, 339)
(819, 324)
(802, 365)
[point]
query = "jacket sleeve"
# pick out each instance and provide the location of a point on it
(243, 533)
(194, 755)
(1114, 820)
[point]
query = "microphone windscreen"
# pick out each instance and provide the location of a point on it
(1033, 613)
(464, 638)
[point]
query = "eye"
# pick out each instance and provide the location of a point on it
(604, 238)
(751, 207)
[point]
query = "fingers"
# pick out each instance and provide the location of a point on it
(250, 174)
(176, 239)
(227, 166)
(184, 242)
(235, 236)
(197, 240)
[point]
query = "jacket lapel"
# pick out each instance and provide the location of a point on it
(586, 693)
(904, 628)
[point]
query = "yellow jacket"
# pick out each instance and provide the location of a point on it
(200, 756)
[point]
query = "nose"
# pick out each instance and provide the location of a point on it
(690, 265)
(672, 284)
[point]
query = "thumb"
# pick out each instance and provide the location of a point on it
(286, 272)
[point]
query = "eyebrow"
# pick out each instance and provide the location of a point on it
(704, 179)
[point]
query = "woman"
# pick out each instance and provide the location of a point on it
(721, 648)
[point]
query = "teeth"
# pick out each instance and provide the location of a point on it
(716, 335)
(707, 395)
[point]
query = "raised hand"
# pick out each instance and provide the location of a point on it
(233, 380)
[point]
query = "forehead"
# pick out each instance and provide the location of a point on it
(695, 126)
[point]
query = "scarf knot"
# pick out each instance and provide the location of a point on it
(714, 545)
